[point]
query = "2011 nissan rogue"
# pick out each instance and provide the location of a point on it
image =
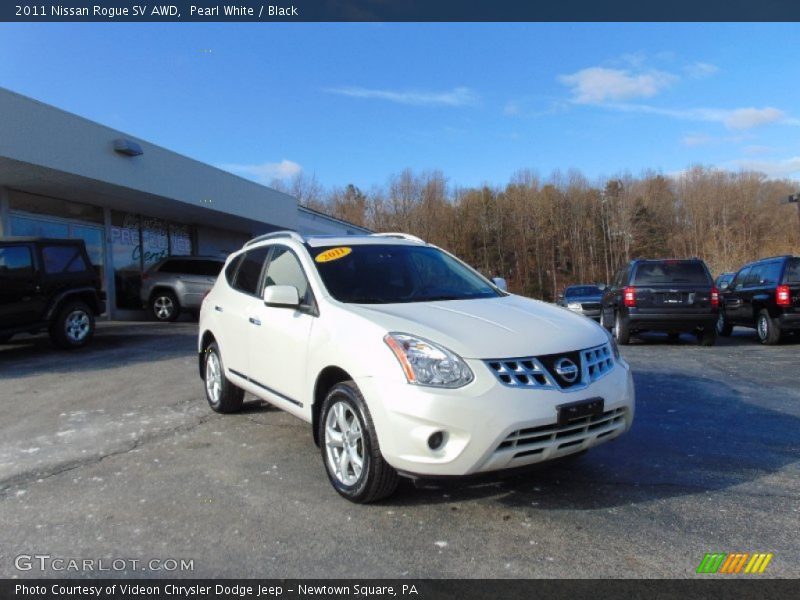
(405, 360)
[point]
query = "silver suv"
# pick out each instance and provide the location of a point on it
(177, 283)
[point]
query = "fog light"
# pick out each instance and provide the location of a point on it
(436, 440)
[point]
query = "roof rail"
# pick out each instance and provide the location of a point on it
(400, 236)
(276, 234)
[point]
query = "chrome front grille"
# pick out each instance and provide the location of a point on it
(536, 440)
(540, 373)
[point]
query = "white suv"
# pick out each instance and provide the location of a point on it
(405, 360)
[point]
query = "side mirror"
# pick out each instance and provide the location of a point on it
(501, 283)
(281, 296)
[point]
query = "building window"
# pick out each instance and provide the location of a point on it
(127, 260)
(54, 207)
(180, 240)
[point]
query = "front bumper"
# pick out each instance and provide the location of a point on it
(789, 321)
(488, 426)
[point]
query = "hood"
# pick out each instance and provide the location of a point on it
(503, 327)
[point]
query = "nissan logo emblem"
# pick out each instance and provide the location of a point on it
(567, 370)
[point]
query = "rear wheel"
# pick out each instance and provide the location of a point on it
(767, 329)
(73, 326)
(723, 327)
(621, 329)
(350, 449)
(222, 395)
(164, 306)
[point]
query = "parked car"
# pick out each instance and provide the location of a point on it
(583, 299)
(724, 280)
(764, 295)
(49, 284)
(178, 283)
(672, 296)
(405, 360)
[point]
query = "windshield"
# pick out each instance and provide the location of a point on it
(793, 271)
(582, 290)
(393, 273)
(671, 272)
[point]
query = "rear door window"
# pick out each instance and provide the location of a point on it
(754, 276)
(771, 273)
(15, 261)
(63, 259)
(667, 272)
(207, 268)
(249, 271)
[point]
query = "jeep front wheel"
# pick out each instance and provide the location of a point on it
(73, 326)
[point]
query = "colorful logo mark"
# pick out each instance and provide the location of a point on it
(736, 562)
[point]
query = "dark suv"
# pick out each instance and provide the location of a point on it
(672, 296)
(764, 295)
(48, 284)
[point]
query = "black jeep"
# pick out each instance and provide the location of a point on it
(48, 284)
(667, 295)
(764, 295)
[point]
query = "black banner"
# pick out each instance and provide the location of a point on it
(718, 588)
(400, 10)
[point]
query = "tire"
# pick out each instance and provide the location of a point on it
(707, 337)
(621, 330)
(350, 421)
(73, 326)
(222, 395)
(723, 327)
(164, 306)
(767, 329)
(603, 322)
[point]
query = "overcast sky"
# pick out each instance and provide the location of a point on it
(357, 102)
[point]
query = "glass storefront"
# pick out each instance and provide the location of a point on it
(137, 243)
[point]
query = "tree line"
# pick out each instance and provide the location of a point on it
(543, 234)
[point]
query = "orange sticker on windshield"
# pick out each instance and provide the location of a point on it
(333, 254)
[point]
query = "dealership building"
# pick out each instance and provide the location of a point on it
(132, 202)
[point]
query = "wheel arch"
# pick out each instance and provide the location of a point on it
(161, 288)
(327, 378)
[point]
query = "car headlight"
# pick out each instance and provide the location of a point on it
(574, 306)
(426, 363)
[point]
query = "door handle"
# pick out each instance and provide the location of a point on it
(218, 308)
(255, 321)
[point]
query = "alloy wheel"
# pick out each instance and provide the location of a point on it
(344, 444)
(163, 307)
(763, 327)
(77, 326)
(213, 377)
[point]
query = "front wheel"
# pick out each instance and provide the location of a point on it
(621, 329)
(769, 333)
(707, 337)
(73, 326)
(164, 306)
(723, 327)
(350, 449)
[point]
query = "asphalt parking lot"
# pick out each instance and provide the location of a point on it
(112, 452)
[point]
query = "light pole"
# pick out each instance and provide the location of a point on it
(793, 199)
